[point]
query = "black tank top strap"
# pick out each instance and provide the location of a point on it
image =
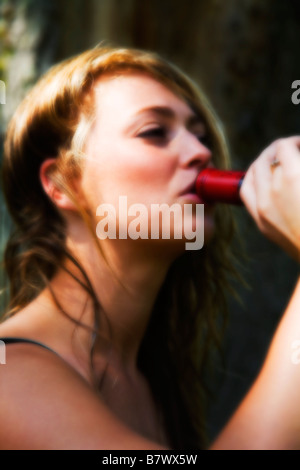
(12, 340)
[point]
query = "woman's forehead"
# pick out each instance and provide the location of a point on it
(133, 93)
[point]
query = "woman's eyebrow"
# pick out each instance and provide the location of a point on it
(160, 110)
(168, 112)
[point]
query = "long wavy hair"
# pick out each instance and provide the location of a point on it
(53, 121)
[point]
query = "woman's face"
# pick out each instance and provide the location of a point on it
(145, 145)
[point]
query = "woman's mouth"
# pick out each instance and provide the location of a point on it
(189, 193)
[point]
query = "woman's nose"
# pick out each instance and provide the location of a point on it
(194, 152)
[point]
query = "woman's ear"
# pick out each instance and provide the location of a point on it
(53, 190)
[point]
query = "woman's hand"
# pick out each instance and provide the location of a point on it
(271, 193)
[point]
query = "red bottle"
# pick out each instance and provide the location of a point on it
(215, 185)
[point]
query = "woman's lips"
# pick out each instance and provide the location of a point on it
(190, 189)
(190, 194)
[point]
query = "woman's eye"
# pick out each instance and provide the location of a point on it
(155, 132)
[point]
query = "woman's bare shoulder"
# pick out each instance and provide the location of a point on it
(46, 404)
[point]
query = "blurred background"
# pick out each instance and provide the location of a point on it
(245, 54)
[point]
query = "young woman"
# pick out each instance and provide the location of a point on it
(107, 337)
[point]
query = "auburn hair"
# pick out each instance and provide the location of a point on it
(53, 121)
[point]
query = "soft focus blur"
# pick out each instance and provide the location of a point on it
(244, 53)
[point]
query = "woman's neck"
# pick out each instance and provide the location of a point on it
(126, 286)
